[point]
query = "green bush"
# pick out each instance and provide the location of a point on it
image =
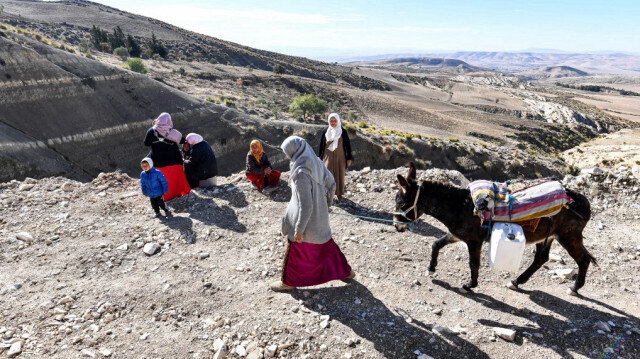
(362, 125)
(275, 109)
(279, 69)
(136, 65)
(229, 102)
(350, 127)
(306, 105)
(261, 101)
(121, 52)
(454, 139)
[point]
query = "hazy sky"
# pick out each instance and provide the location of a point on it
(364, 27)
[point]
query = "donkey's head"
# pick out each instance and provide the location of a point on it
(407, 200)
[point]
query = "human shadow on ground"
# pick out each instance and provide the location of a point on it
(392, 334)
(356, 209)
(207, 211)
(182, 224)
(231, 193)
(575, 334)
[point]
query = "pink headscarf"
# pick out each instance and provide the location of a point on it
(164, 126)
(194, 139)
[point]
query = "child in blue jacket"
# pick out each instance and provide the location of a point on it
(154, 185)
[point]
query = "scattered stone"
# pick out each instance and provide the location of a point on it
(87, 353)
(15, 349)
(504, 333)
(271, 351)
(603, 326)
(565, 273)
(124, 247)
(203, 255)
(151, 249)
(26, 186)
(218, 344)
(106, 352)
(445, 330)
(241, 351)
(25, 237)
(67, 187)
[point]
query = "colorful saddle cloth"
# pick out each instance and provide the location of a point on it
(516, 202)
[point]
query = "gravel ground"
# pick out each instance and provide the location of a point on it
(75, 282)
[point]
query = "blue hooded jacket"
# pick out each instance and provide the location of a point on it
(153, 183)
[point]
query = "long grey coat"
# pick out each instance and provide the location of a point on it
(308, 210)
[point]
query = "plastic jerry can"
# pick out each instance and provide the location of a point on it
(506, 247)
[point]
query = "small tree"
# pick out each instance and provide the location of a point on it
(279, 69)
(98, 37)
(306, 105)
(117, 39)
(155, 47)
(133, 46)
(136, 65)
(1, 9)
(121, 52)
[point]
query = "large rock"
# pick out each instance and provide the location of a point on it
(151, 249)
(504, 333)
(15, 349)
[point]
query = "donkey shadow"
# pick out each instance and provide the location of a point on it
(353, 208)
(392, 335)
(559, 334)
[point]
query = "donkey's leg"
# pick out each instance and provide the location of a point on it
(573, 244)
(475, 248)
(435, 250)
(541, 257)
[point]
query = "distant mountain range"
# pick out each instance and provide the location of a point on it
(552, 72)
(594, 63)
(410, 64)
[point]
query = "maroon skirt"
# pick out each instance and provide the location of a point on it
(307, 264)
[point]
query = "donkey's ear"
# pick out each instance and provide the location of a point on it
(412, 171)
(404, 185)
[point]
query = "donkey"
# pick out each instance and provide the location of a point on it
(454, 208)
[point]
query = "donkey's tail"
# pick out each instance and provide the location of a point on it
(591, 258)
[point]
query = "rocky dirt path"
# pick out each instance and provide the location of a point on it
(75, 282)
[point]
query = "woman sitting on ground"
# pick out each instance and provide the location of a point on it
(259, 170)
(200, 163)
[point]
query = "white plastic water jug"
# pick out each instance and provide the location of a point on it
(507, 246)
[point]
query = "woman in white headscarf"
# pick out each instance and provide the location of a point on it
(335, 151)
(312, 257)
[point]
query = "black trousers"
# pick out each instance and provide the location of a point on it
(158, 203)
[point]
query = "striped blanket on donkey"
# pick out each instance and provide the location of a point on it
(509, 202)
